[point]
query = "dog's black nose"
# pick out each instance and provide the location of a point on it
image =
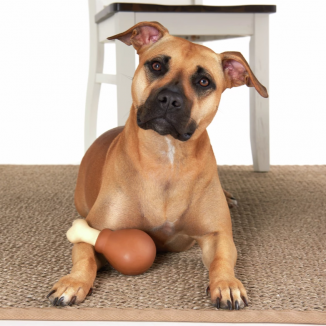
(170, 100)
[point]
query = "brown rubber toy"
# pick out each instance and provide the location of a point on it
(129, 251)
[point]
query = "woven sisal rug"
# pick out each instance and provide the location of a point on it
(279, 230)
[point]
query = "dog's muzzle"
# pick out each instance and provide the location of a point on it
(168, 113)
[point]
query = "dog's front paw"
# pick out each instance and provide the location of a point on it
(228, 294)
(69, 290)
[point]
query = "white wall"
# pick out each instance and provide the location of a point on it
(43, 78)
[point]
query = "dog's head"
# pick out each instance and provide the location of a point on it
(177, 86)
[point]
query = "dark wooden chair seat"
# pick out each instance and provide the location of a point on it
(144, 7)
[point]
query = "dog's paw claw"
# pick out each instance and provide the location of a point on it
(236, 305)
(50, 294)
(60, 301)
(72, 301)
(207, 290)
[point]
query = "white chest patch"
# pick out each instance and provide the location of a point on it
(171, 150)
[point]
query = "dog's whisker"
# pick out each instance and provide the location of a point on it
(131, 78)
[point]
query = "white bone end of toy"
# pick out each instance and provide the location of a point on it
(82, 232)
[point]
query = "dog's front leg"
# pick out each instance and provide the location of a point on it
(219, 257)
(74, 287)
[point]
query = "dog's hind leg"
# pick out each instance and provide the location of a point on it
(230, 199)
(74, 287)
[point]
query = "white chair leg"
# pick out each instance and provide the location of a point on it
(93, 89)
(125, 67)
(259, 106)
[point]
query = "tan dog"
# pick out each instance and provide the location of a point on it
(158, 173)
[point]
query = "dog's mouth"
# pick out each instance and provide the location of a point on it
(163, 126)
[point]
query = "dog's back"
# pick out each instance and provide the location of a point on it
(90, 171)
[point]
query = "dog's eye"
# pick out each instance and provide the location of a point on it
(156, 66)
(204, 82)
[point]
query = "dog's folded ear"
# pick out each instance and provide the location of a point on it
(142, 35)
(237, 72)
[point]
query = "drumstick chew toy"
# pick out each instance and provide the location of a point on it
(129, 251)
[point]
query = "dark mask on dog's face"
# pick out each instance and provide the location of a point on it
(167, 110)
